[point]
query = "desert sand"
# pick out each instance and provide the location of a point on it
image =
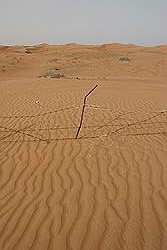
(105, 189)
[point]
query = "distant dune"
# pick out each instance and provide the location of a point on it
(84, 61)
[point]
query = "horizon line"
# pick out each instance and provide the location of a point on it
(82, 44)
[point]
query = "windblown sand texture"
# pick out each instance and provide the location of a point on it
(105, 190)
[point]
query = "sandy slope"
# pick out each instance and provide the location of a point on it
(105, 190)
(83, 61)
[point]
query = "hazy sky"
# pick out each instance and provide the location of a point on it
(83, 21)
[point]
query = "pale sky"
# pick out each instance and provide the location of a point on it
(142, 22)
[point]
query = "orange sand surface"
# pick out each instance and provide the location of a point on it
(105, 189)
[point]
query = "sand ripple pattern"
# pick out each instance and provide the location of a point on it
(106, 190)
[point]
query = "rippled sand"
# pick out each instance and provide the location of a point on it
(105, 190)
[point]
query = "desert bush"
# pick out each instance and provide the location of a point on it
(28, 51)
(124, 59)
(53, 60)
(52, 74)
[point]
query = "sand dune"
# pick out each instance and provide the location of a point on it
(104, 190)
(86, 61)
